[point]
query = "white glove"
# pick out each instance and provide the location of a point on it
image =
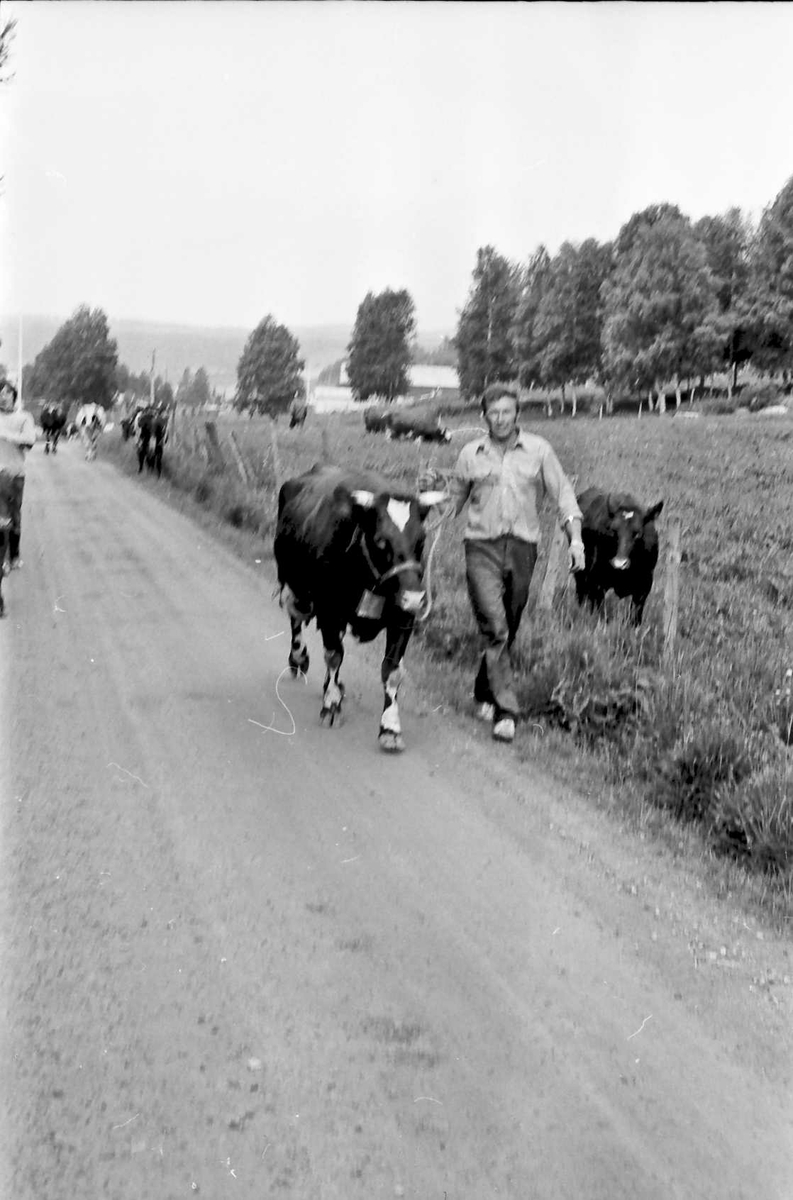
(577, 560)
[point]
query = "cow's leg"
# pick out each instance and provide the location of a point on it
(638, 601)
(332, 688)
(46, 441)
(56, 434)
(141, 455)
(299, 616)
(392, 674)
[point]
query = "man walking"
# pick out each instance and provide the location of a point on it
(17, 436)
(503, 477)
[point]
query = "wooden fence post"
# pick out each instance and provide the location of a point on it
(239, 460)
(326, 458)
(557, 557)
(216, 460)
(276, 455)
(671, 592)
(199, 449)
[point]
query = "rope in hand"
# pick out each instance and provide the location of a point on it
(437, 527)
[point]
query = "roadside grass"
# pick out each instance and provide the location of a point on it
(700, 755)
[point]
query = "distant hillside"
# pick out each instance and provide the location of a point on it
(178, 346)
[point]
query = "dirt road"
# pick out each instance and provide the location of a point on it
(245, 963)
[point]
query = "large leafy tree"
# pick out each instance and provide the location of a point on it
(771, 284)
(535, 282)
(79, 365)
(269, 372)
(659, 304)
(568, 324)
(727, 240)
(194, 391)
(484, 339)
(380, 347)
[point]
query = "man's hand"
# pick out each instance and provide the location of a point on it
(431, 481)
(577, 560)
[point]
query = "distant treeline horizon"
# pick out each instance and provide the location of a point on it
(181, 346)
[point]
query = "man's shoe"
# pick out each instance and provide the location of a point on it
(485, 712)
(504, 730)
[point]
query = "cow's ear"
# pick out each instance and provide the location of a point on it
(653, 512)
(428, 500)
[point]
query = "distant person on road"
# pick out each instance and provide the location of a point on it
(17, 436)
(90, 421)
(504, 477)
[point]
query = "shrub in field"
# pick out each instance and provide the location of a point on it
(600, 692)
(203, 490)
(760, 395)
(706, 762)
(756, 819)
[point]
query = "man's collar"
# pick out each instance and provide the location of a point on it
(487, 442)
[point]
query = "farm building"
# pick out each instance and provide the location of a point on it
(426, 382)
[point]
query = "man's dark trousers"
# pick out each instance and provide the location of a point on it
(498, 572)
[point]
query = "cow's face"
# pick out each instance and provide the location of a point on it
(393, 533)
(627, 521)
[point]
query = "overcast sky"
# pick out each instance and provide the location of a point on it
(214, 162)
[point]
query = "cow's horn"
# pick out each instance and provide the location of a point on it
(431, 499)
(363, 498)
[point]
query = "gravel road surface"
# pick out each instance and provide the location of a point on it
(241, 961)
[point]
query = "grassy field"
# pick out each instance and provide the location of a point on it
(705, 746)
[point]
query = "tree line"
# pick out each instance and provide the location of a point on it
(668, 302)
(80, 365)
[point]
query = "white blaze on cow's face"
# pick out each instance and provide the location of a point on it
(399, 512)
(629, 530)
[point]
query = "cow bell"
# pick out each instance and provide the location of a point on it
(370, 606)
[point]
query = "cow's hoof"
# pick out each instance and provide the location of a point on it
(390, 742)
(299, 667)
(46, 449)
(328, 713)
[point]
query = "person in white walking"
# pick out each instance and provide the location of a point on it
(17, 436)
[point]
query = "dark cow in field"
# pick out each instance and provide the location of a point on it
(53, 423)
(152, 432)
(620, 549)
(414, 426)
(298, 411)
(348, 548)
(376, 420)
